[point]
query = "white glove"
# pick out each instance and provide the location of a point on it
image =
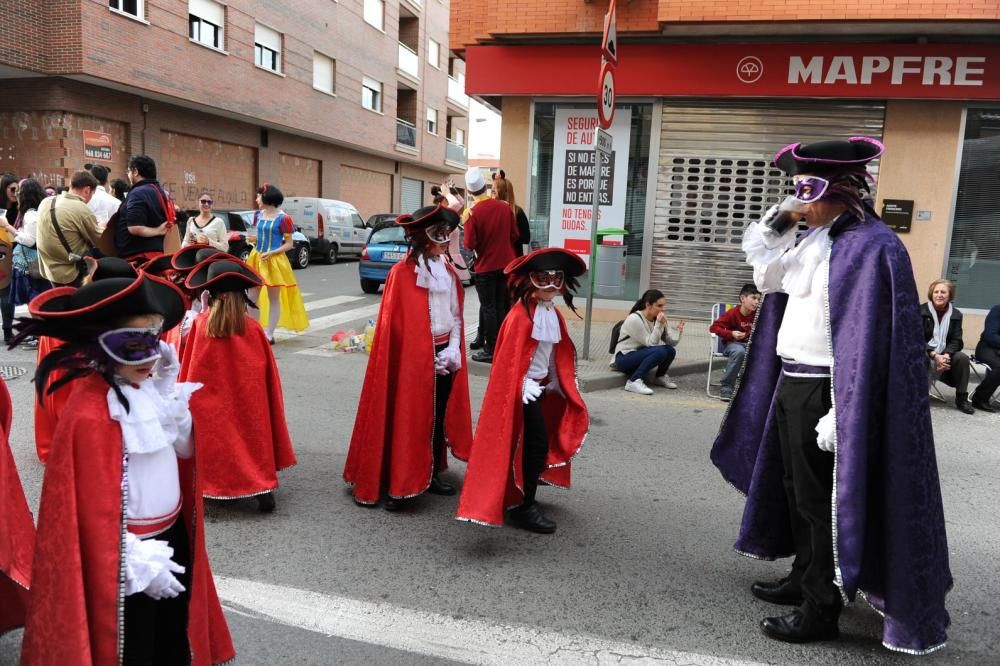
(440, 366)
(148, 568)
(167, 367)
(531, 390)
(826, 432)
(165, 585)
(451, 358)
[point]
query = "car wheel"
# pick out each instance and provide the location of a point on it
(369, 286)
(302, 255)
(331, 254)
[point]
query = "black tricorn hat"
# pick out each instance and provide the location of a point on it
(190, 256)
(223, 273)
(109, 267)
(160, 265)
(95, 304)
(428, 216)
(827, 155)
(548, 259)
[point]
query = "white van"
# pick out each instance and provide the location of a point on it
(334, 228)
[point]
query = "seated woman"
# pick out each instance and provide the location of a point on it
(988, 352)
(645, 347)
(943, 334)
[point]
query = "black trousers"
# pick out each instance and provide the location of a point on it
(156, 629)
(808, 480)
(957, 376)
(535, 448)
(493, 305)
(991, 382)
(442, 391)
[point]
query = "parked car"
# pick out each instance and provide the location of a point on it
(333, 228)
(378, 219)
(299, 255)
(387, 245)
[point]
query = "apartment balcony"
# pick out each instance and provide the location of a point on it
(416, 5)
(409, 63)
(455, 153)
(406, 134)
(456, 94)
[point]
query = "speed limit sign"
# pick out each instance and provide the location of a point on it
(606, 96)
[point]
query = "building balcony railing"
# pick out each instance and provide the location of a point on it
(455, 152)
(456, 92)
(406, 133)
(416, 4)
(408, 61)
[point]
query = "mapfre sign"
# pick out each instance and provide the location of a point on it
(873, 71)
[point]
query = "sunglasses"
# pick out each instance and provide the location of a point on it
(131, 346)
(548, 279)
(810, 188)
(206, 202)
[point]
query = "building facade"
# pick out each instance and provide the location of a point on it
(708, 92)
(359, 100)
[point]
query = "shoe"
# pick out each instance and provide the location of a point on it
(962, 403)
(638, 386)
(393, 504)
(982, 405)
(270, 341)
(531, 518)
(8, 335)
(30, 343)
(726, 393)
(265, 503)
(476, 344)
(439, 487)
(784, 592)
(801, 626)
(483, 356)
(662, 382)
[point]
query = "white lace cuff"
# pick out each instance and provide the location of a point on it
(145, 559)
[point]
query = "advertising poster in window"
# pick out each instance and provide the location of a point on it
(573, 167)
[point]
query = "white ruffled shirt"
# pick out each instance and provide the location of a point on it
(435, 277)
(545, 329)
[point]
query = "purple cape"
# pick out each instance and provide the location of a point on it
(888, 520)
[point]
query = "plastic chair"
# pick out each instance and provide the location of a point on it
(716, 345)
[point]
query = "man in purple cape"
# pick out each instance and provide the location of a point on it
(829, 432)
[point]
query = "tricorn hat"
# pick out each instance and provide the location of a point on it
(548, 259)
(160, 265)
(190, 256)
(98, 303)
(822, 156)
(223, 273)
(109, 267)
(428, 216)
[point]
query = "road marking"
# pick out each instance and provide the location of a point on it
(330, 302)
(468, 641)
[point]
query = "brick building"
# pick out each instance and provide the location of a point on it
(709, 90)
(359, 100)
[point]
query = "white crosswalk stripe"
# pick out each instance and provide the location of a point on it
(330, 302)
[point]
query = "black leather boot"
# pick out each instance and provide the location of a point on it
(439, 487)
(477, 343)
(265, 503)
(530, 517)
(962, 402)
(393, 504)
(784, 592)
(805, 624)
(982, 404)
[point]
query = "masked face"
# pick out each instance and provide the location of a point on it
(548, 280)
(810, 188)
(132, 346)
(439, 234)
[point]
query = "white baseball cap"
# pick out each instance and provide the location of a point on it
(474, 180)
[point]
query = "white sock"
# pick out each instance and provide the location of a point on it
(274, 309)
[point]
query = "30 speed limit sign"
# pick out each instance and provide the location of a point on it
(606, 96)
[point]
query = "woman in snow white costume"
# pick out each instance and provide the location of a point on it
(240, 453)
(533, 419)
(415, 399)
(120, 571)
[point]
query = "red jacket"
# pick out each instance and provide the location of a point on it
(733, 320)
(491, 232)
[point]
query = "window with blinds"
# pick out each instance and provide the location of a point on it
(974, 255)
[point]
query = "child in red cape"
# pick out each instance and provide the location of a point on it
(17, 530)
(533, 420)
(415, 399)
(120, 572)
(226, 348)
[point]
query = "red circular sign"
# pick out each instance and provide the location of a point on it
(606, 96)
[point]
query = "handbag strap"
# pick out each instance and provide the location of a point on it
(72, 256)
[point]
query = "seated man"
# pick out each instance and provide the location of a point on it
(943, 334)
(988, 352)
(734, 329)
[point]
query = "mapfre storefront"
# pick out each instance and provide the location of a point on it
(702, 123)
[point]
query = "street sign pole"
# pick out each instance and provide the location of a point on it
(598, 165)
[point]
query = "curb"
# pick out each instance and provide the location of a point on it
(602, 381)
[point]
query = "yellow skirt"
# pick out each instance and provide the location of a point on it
(276, 271)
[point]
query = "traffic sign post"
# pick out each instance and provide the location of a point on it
(602, 150)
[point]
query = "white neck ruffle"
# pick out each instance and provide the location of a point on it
(802, 262)
(545, 324)
(150, 424)
(433, 275)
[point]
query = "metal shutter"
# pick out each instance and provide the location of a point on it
(412, 196)
(715, 176)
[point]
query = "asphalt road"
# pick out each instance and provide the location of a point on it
(640, 570)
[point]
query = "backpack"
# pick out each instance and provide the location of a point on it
(616, 330)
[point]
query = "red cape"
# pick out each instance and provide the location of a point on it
(17, 530)
(242, 441)
(391, 447)
(48, 410)
(494, 479)
(77, 608)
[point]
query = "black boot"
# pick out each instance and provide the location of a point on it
(477, 343)
(784, 592)
(962, 402)
(982, 404)
(265, 503)
(394, 504)
(483, 356)
(8, 335)
(805, 624)
(530, 517)
(439, 487)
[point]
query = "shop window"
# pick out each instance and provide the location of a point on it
(131, 7)
(206, 19)
(974, 255)
(267, 48)
(324, 73)
(374, 13)
(371, 94)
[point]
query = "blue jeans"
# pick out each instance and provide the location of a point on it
(735, 351)
(640, 362)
